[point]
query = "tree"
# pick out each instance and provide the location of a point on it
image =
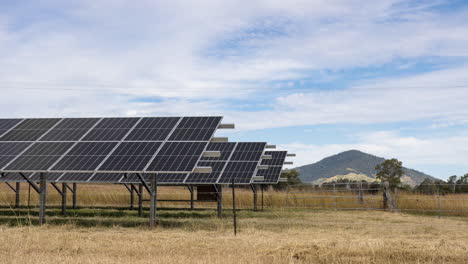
(292, 177)
(390, 171)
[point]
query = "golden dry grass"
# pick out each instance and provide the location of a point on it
(276, 236)
(117, 195)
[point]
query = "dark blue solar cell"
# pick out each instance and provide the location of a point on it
(278, 158)
(195, 129)
(248, 151)
(153, 129)
(225, 148)
(40, 156)
(70, 129)
(85, 156)
(216, 166)
(241, 172)
(30, 129)
(177, 157)
(131, 156)
(111, 129)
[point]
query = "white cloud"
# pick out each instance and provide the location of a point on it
(159, 48)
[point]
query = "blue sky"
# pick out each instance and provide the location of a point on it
(386, 77)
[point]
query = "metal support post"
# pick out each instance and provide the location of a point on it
(140, 200)
(74, 195)
(154, 189)
(219, 189)
(254, 190)
(234, 206)
(132, 196)
(17, 195)
(42, 199)
(438, 201)
(263, 187)
(191, 189)
(64, 199)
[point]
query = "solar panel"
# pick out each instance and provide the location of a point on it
(107, 145)
(177, 156)
(248, 151)
(111, 129)
(217, 167)
(39, 157)
(50, 176)
(277, 158)
(106, 177)
(153, 129)
(13, 177)
(130, 156)
(70, 129)
(7, 124)
(238, 161)
(242, 172)
(74, 177)
(84, 156)
(9, 150)
(195, 129)
(30, 129)
(225, 148)
(275, 166)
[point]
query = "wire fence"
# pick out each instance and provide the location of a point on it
(438, 200)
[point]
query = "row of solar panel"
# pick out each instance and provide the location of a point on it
(223, 170)
(275, 166)
(121, 152)
(109, 129)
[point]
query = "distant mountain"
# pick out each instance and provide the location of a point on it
(353, 165)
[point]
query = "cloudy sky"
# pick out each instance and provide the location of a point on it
(386, 77)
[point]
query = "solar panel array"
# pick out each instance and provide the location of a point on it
(275, 166)
(79, 146)
(114, 150)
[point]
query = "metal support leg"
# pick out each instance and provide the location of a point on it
(234, 207)
(263, 187)
(64, 199)
(140, 200)
(255, 198)
(154, 190)
(74, 195)
(191, 189)
(132, 197)
(219, 189)
(17, 197)
(42, 199)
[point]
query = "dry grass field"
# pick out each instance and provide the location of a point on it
(104, 231)
(276, 236)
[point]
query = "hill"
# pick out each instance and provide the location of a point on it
(353, 165)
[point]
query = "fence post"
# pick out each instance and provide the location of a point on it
(388, 198)
(438, 200)
(385, 201)
(360, 195)
(334, 194)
